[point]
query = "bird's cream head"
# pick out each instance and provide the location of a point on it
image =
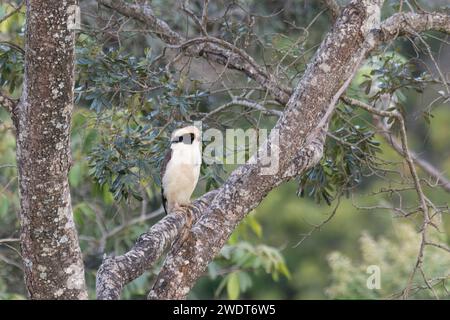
(186, 135)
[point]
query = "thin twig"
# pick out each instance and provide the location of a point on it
(15, 10)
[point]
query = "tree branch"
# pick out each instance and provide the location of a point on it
(127, 224)
(407, 155)
(116, 272)
(412, 23)
(13, 12)
(213, 49)
(237, 101)
(397, 146)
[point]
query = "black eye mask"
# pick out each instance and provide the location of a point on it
(187, 138)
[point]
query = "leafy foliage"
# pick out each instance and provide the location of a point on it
(242, 260)
(349, 154)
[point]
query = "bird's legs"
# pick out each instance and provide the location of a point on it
(185, 230)
(187, 209)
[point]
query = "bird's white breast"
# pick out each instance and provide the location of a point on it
(182, 172)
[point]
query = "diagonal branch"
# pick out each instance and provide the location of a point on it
(423, 164)
(13, 12)
(116, 272)
(427, 167)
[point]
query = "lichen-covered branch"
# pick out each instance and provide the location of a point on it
(116, 272)
(412, 23)
(301, 132)
(53, 264)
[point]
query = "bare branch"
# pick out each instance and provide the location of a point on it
(410, 161)
(438, 245)
(427, 167)
(205, 15)
(423, 164)
(8, 240)
(13, 46)
(236, 101)
(137, 220)
(13, 12)
(145, 14)
(319, 226)
(11, 262)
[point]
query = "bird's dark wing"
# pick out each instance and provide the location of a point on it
(164, 163)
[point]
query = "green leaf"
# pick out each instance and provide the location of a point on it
(284, 270)
(233, 287)
(245, 281)
(255, 226)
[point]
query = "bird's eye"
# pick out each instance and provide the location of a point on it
(187, 138)
(192, 137)
(180, 139)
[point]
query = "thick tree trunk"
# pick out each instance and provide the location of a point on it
(52, 258)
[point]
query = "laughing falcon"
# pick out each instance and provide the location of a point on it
(180, 168)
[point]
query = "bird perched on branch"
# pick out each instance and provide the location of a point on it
(180, 168)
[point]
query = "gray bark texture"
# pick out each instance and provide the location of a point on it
(115, 272)
(52, 258)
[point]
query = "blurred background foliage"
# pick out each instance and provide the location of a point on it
(131, 93)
